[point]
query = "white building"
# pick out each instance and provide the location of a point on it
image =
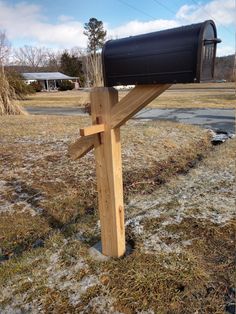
(48, 80)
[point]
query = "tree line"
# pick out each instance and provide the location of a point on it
(225, 68)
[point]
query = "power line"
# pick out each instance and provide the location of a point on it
(204, 9)
(137, 9)
(164, 6)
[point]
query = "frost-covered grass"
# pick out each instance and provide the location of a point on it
(179, 203)
(39, 182)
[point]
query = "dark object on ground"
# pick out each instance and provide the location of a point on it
(230, 299)
(87, 108)
(220, 136)
(219, 131)
(4, 258)
(230, 308)
(38, 243)
(180, 55)
(90, 211)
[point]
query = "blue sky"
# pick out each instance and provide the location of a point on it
(59, 24)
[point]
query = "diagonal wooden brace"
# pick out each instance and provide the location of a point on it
(134, 101)
(89, 136)
(123, 110)
(82, 146)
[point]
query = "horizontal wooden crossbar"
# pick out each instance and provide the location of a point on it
(93, 129)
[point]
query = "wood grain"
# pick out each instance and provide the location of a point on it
(82, 146)
(134, 101)
(93, 129)
(109, 174)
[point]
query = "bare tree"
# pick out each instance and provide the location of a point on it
(33, 57)
(77, 52)
(4, 48)
(94, 70)
(53, 60)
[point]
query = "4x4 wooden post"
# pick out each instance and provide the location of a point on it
(104, 135)
(109, 173)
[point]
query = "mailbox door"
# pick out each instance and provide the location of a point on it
(208, 52)
(208, 60)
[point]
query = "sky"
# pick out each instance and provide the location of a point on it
(59, 24)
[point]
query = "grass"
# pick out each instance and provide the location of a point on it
(195, 99)
(212, 95)
(179, 214)
(57, 99)
(46, 183)
(197, 278)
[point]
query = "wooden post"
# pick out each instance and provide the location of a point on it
(104, 135)
(109, 173)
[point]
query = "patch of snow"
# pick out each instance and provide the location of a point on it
(79, 288)
(62, 278)
(102, 305)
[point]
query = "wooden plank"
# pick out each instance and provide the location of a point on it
(134, 101)
(82, 146)
(109, 174)
(93, 129)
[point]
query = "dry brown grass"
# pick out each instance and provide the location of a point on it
(180, 221)
(38, 176)
(57, 99)
(195, 99)
(224, 85)
(199, 278)
(8, 104)
(212, 95)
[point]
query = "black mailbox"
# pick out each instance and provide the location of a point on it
(179, 55)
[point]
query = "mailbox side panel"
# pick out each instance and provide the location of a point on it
(170, 56)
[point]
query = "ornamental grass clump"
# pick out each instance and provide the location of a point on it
(8, 104)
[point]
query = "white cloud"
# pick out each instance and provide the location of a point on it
(65, 18)
(26, 22)
(225, 50)
(222, 11)
(137, 27)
